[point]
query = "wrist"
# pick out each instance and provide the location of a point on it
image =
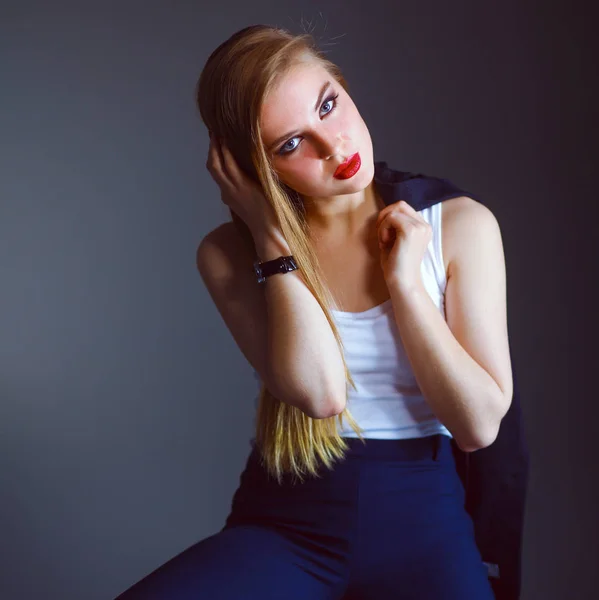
(271, 244)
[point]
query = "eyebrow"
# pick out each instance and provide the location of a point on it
(321, 94)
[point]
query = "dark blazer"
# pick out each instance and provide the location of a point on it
(495, 478)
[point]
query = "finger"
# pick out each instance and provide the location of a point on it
(216, 164)
(397, 223)
(383, 214)
(391, 219)
(401, 205)
(387, 227)
(212, 157)
(407, 207)
(231, 166)
(388, 209)
(410, 210)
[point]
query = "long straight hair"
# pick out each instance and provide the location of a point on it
(230, 92)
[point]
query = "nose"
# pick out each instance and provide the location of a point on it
(331, 146)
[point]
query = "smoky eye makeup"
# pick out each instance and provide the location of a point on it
(282, 152)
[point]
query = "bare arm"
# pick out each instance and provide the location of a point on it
(278, 325)
(302, 351)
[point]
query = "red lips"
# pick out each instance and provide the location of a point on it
(349, 168)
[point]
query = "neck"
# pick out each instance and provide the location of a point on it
(344, 215)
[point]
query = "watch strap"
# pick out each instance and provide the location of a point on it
(282, 264)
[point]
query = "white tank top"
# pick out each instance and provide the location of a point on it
(388, 403)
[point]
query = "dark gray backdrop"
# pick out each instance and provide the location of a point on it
(125, 405)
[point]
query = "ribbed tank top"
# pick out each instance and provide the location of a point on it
(388, 403)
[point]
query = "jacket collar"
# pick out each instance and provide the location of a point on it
(420, 191)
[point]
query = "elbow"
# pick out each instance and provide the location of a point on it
(489, 439)
(470, 446)
(465, 446)
(331, 405)
(326, 410)
(486, 434)
(336, 409)
(478, 442)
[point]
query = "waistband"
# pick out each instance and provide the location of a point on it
(434, 446)
(410, 449)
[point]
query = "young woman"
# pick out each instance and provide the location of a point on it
(347, 493)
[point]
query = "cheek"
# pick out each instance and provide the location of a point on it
(361, 128)
(352, 119)
(355, 131)
(296, 173)
(303, 173)
(305, 178)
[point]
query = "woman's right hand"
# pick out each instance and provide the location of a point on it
(242, 195)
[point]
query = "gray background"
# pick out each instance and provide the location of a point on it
(125, 405)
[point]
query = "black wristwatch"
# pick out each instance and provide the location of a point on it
(283, 264)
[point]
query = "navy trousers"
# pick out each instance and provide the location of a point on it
(387, 522)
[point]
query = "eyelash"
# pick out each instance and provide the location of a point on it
(332, 98)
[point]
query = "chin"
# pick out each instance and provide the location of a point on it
(363, 177)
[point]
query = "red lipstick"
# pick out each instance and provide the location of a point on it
(349, 168)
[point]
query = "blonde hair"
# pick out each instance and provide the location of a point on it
(230, 91)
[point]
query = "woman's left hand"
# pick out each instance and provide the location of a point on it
(403, 238)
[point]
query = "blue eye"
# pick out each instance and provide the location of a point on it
(286, 149)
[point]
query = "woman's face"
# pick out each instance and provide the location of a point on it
(308, 131)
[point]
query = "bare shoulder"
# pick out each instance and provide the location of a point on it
(226, 267)
(222, 243)
(461, 217)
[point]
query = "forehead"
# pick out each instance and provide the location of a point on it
(299, 77)
(293, 96)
